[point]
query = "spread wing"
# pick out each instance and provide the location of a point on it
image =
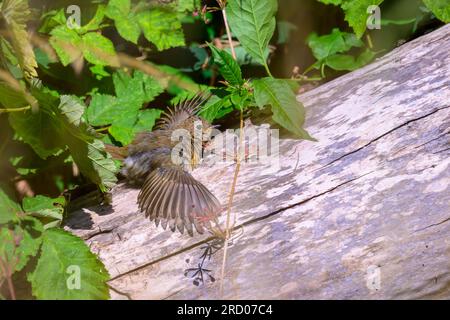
(182, 111)
(174, 198)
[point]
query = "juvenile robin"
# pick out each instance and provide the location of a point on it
(169, 194)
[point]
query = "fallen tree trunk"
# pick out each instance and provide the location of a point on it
(362, 213)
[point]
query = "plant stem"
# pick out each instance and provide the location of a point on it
(268, 70)
(15, 109)
(227, 28)
(7, 272)
(230, 200)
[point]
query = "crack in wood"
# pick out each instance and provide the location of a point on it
(381, 136)
(433, 225)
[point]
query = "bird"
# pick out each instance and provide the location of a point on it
(169, 195)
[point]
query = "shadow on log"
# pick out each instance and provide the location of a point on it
(364, 213)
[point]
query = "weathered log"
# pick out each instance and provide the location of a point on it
(362, 213)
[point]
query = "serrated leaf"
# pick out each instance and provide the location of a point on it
(146, 120)
(440, 8)
(128, 28)
(330, 44)
(99, 71)
(286, 109)
(99, 50)
(140, 88)
(253, 23)
(20, 241)
(95, 22)
(94, 162)
(9, 209)
(162, 28)
(67, 44)
(356, 14)
(63, 258)
(88, 153)
(51, 20)
(99, 112)
(45, 207)
(125, 21)
(39, 130)
(228, 67)
(216, 108)
(347, 62)
(122, 129)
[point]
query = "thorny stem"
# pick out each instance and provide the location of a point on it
(227, 28)
(230, 201)
(222, 4)
(7, 272)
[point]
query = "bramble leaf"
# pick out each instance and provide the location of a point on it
(9, 209)
(20, 241)
(162, 28)
(440, 8)
(286, 109)
(68, 270)
(99, 50)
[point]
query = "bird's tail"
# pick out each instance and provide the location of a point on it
(118, 153)
(174, 198)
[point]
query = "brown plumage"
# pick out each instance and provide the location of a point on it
(169, 193)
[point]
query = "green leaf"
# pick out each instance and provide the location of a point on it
(99, 50)
(67, 44)
(440, 8)
(128, 28)
(162, 28)
(9, 210)
(122, 129)
(228, 67)
(88, 153)
(99, 71)
(122, 111)
(68, 270)
(39, 130)
(330, 44)
(356, 14)
(45, 207)
(350, 63)
(51, 20)
(216, 108)
(95, 23)
(103, 109)
(286, 109)
(20, 241)
(253, 23)
(94, 162)
(141, 88)
(146, 120)
(125, 21)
